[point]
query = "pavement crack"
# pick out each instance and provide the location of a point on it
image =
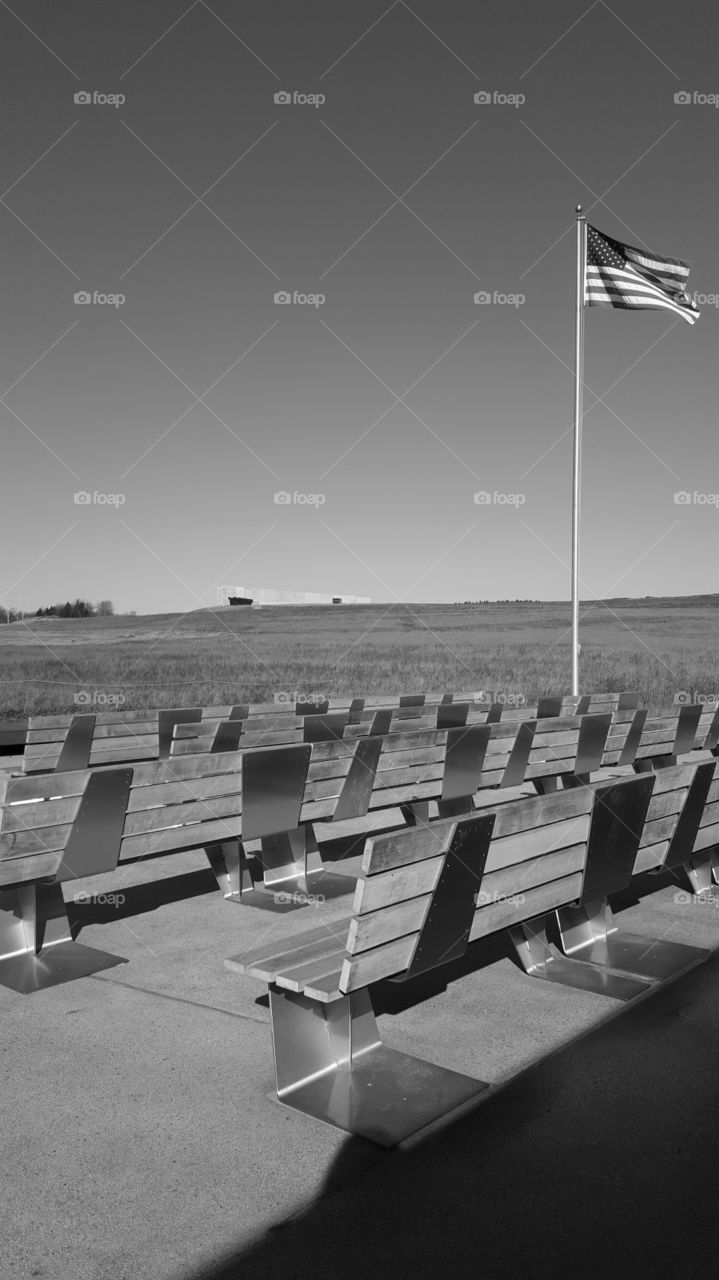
(163, 995)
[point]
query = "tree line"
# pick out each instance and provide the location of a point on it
(70, 609)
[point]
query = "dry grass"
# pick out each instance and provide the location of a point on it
(655, 647)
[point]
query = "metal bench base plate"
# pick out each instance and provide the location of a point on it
(540, 960)
(64, 962)
(36, 946)
(330, 1063)
(590, 935)
(386, 1097)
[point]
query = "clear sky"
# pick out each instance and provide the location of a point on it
(382, 410)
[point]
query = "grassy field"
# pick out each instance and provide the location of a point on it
(655, 647)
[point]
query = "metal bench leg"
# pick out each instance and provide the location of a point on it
(231, 869)
(702, 874)
(294, 873)
(590, 934)
(545, 786)
(36, 946)
(542, 960)
(415, 813)
(330, 1063)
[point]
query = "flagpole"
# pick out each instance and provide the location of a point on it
(578, 387)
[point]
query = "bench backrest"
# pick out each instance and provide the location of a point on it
(690, 727)
(683, 816)
(95, 737)
(425, 893)
(83, 822)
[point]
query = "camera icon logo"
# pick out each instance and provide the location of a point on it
(82, 699)
(482, 498)
(682, 498)
(283, 298)
(682, 98)
(482, 298)
(83, 298)
(482, 97)
(82, 498)
(82, 98)
(283, 98)
(282, 498)
(681, 697)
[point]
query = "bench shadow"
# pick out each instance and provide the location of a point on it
(587, 1161)
(121, 903)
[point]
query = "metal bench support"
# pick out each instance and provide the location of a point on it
(36, 946)
(330, 1063)
(540, 959)
(273, 785)
(230, 868)
(588, 932)
(703, 875)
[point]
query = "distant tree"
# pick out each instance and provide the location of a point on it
(105, 609)
(70, 609)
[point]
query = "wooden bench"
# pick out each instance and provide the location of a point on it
(424, 896)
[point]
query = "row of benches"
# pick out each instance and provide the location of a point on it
(75, 823)
(58, 827)
(86, 744)
(538, 868)
(87, 739)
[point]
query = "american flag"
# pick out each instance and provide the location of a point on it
(619, 276)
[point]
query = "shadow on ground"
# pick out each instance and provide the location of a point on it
(599, 1160)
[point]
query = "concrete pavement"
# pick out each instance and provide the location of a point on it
(142, 1138)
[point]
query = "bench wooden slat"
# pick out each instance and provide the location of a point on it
(267, 961)
(394, 957)
(374, 928)
(158, 819)
(174, 839)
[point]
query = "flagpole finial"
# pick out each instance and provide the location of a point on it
(578, 209)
